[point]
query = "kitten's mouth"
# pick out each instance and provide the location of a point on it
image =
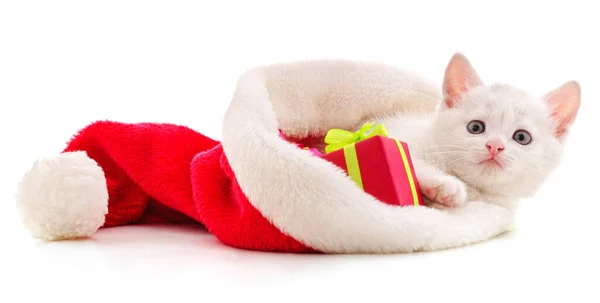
(491, 162)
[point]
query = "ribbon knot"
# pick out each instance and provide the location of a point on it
(339, 138)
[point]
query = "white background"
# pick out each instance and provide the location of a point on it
(64, 64)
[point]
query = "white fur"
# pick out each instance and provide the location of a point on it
(63, 197)
(441, 139)
(447, 156)
(311, 199)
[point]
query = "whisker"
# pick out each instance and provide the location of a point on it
(460, 161)
(448, 152)
(447, 145)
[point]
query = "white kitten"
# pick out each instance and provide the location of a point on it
(492, 143)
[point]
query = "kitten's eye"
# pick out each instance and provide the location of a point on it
(476, 127)
(522, 137)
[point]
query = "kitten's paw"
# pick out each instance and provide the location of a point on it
(444, 190)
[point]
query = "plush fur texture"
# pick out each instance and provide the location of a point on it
(523, 134)
(255, 190)
(63, 197)
(323, 208)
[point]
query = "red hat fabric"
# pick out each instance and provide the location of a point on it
(253, 189)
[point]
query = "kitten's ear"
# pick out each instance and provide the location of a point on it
(564, 103)
(459, 78)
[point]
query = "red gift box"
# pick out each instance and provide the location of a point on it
(382, 167)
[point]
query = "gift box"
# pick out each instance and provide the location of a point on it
(380, 165)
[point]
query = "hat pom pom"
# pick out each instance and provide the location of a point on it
(63, 197)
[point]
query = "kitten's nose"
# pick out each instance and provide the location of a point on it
(495, 147)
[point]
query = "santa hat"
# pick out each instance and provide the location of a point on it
(253, 190)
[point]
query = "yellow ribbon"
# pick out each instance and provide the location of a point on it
(409, 173)
(339, 138)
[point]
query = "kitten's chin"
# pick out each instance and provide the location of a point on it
(484, 173)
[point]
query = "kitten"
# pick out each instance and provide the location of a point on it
(493, 143)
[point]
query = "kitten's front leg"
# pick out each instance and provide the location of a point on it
(439, 188)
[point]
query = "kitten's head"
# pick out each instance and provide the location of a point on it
(499, 137)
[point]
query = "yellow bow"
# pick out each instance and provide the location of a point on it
(339, 138)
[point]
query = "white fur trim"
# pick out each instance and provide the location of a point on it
(311, 199)
(63, 197)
